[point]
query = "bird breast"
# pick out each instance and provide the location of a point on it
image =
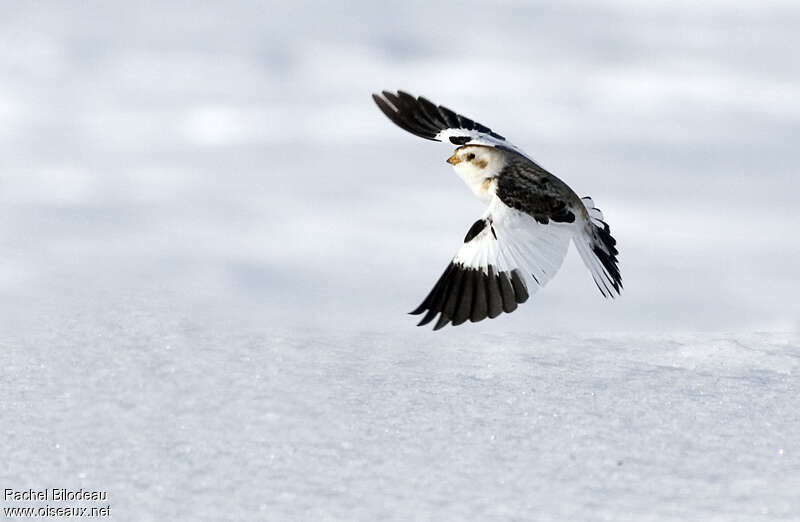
(479, 178)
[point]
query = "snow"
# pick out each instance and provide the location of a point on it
(200, 421)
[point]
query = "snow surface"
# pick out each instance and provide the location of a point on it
(179, 420)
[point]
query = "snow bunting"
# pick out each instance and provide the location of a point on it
(519, 243)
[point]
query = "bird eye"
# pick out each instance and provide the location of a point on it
(470, 156)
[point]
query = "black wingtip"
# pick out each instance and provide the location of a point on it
(605, 250)
(442, 322)
(469, 294)
(427, 318)
(423, 118)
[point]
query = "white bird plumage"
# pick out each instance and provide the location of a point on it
(521, 240)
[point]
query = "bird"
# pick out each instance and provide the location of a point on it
(520, 241)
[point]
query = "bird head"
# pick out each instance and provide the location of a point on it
(472, 157)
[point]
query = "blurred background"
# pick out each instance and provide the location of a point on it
(227, 163)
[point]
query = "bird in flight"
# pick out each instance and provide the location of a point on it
(519, 243)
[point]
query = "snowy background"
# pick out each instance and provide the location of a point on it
(210, 236)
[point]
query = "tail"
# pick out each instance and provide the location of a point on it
(599, 252)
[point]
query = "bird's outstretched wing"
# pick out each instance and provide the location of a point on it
(506, 257)
(425, 119)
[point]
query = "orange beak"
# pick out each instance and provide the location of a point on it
(453, 160)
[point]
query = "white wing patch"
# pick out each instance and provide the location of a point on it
(472, 137)
(594, 213)
(506, 257)
(516, 241)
